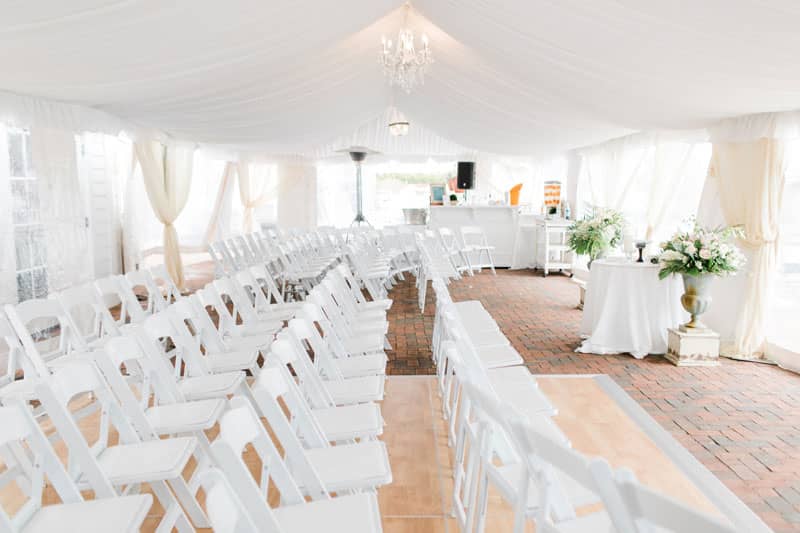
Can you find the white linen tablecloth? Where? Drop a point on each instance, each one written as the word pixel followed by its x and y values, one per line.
pixel 628 309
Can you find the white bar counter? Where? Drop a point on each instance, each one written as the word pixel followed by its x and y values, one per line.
pixel 499 223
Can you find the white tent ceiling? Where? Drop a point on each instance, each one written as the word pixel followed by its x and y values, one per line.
pixel 526 77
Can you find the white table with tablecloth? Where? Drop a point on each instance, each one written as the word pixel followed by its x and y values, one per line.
pixel 628 309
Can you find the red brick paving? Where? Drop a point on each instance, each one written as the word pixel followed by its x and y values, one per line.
pixel 741 420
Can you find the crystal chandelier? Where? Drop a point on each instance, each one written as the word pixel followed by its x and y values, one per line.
pixel 398 123
pixel 403 65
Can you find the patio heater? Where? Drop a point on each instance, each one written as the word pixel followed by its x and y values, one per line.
pixel 358 154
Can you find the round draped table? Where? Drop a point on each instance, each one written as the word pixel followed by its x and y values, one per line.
pixel 628 309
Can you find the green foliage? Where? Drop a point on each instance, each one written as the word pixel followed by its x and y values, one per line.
pixel 596 234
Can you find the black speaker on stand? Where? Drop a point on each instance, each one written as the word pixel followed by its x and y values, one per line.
pixel 466 176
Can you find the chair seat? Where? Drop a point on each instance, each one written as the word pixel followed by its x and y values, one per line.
pixel 280 311
pixel 153 460
pixel 124 514
pixel 364 343
pixel 487 337
pixel 185 417
pixel 260 328
pixel 598 522
pixel 20 389
pixel 383 305
pixel 356 390
pixel 211 386
pixel 350 421
pixel 232 361
pixel 364 327
pixel 251 342
pixel 500 356
pixel 362 365
pixel 523 395
pixel 362 465
pixel 357 513
pixel 509 478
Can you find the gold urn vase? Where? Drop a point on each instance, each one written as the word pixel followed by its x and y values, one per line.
pixel 696 299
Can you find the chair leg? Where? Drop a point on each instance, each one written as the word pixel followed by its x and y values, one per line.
pixel 491 261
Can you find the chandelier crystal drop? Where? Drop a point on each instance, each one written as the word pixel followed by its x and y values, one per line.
pixel 403 65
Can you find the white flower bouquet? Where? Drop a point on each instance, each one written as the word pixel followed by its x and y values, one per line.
pixel 701 251
pixel 596 234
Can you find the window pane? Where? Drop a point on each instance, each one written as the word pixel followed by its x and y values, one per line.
pixel 19 201
pixel 38 245
pixel 24 286
pixel 22 244
pixel 16 153
pixel 39 283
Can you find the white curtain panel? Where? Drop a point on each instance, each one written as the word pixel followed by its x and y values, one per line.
pixel 675 185
pixel 751 177
pixel 219 220
pixel 611 170
pixel 167 173
pixel 254 191
pixel 63 208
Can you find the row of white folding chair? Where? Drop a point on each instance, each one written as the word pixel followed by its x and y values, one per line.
pixel 21 439
pixel 400 261
pixel 236 503
pixel 482 454
pixel 555 481
pixel 346 468
pixel 434 263
pixel 340 458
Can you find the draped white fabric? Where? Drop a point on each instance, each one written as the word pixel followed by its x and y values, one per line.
pixel 655 180
pixel 254 190
pixel 750 178
pixel 528 78
pixel 167 173
pixel 63 208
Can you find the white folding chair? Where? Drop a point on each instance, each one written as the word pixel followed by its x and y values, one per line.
pixel 236 504
pixel 330 350
pixel 112 470
pixel 557 481
pixel 342 390
pixel 644 510
pixel 46 332
pixel 115 290
pixel 19 432
pixel 142 280
pixel 456 252
pixel 475 243
pixel 319 466
pixel 194 379
pixel 89 314
pixel 317 426
pixel 161 277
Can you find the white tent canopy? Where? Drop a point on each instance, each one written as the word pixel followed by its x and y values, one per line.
pixel 511 77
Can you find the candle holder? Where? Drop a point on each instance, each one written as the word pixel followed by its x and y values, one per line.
pixel 641 245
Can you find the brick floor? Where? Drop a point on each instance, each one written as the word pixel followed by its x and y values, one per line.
pixel 741 420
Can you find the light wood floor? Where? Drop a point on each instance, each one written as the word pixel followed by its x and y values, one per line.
pixel 418 500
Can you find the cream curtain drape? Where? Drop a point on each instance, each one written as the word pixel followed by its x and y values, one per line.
pixel 167 173
pixel 214 229
pixel 751 178
pixel 252 192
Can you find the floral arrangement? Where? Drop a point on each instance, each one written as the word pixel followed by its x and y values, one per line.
pixel 701 251
pixel 597 233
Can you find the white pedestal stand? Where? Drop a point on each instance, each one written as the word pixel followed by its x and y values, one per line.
pixel 692 348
